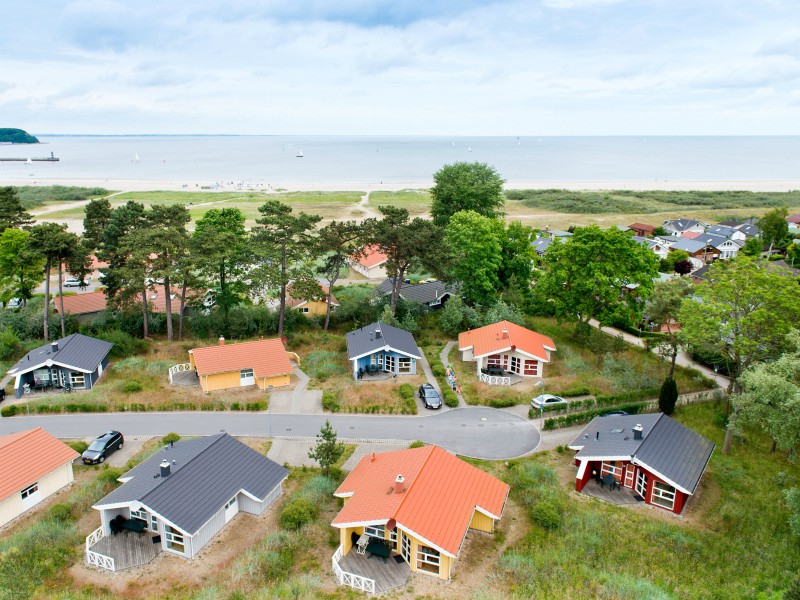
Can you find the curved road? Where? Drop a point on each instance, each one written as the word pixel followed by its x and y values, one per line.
pixel 477 432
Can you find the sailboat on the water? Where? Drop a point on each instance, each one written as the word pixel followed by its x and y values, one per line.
pixel 299 154
pixel 135 158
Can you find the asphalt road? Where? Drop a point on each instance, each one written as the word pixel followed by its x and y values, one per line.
pixel 477 432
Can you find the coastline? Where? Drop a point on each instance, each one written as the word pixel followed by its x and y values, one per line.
pixel 150 185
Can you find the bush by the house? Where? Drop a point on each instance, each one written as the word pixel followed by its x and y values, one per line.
pixel 297 513
pixel 581 418
pixel 668 396
pixel 9 411
pixel 79 446
pixel 416 444
pixel 450 397
pixel 170 438
pixel 330 401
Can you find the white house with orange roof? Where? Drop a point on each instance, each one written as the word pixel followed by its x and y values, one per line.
pixel 371 264
pixel 413 508
pixel 33 466
pixel 505 352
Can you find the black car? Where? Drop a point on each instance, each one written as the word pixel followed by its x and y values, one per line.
pixel 429 396
pixel 103 447
pixel 615 413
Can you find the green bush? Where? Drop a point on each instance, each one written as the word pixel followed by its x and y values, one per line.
pixel 297 513
pixel 581 418
pixel 125 345
pixel 79 446
pixel 9 411
pixel 582 390
pixel 256 406
pixel 450 398
pixel 668 396
pixel 438 369
pixel 502 402
pixel 416 444
pixel 407 391
pixel 60 512
pixel 170 438
pixel 547 514
pixel 131 386
pixel 330 401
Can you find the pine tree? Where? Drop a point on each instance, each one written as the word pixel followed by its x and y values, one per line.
pixel 12 214
pixel 668 396
pixel 327 450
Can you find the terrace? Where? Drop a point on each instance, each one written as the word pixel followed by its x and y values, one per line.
pixel 372 575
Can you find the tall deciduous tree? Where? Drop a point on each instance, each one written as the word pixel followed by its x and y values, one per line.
pixel 218 248
pixel 516 271
pixel 466 186
pixel 336 243
pixel 97 216
pixel 597 274
pixel 283 243
pixel 327 450
pixel 21 268
pixel 12 214
pixel 476 245
pixel 662 312
pixel 774 228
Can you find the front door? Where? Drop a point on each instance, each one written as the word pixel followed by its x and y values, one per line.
pixel 231 508
pixel 515 364
pixel 388 364
pixel 246 377
pixel 629 476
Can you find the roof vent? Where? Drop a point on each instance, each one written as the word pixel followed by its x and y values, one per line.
pixel 637 432
pixel 164 468
pixel 399 486
pixel 597 435
pixel 377 332
pixel 221 341
pixel 54 346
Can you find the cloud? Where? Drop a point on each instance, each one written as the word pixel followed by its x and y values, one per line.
pixel 563 4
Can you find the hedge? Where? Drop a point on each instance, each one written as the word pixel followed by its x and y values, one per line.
pixel 581 418
pixel 85 407
pixel 450 397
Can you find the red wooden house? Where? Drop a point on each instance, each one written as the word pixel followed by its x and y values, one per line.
pixel 655 456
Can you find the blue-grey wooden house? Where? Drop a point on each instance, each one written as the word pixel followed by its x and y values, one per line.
pixel 75 362
pixel 379 348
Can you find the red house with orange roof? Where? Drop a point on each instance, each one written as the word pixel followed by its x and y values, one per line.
pixel 505 352
pixel 372 264
pixel 415 504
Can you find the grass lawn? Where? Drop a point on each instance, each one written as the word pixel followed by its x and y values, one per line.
pixel 601 363
pixel 732 542
pixel 417 202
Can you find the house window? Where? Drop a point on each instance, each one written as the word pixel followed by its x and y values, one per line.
pixel 389 364
pixel 493 360
pixel 404 365
pixel 304 309
pixel 153 523
pixel 611 468
pixel 436 302
pixel 30 491
pixel 532 367
pixel 405 547
pixel 140 514
pixel 663 495
pixel 515 362
pixel 641 484
pixel 77 381
pixel 42 375
pixel 230 503
pixel 246 373
pixel 428 559
pixel 174 539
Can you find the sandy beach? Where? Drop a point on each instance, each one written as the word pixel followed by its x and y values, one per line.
pixel 142 185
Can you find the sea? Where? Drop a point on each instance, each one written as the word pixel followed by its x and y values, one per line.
pixel 399 159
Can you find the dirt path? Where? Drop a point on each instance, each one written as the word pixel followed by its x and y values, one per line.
pixel 364 207
pixel 68 206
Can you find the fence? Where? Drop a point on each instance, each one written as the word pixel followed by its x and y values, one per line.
pixel 351 579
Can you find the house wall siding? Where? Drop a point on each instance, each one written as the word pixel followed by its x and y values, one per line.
pixel 205 533
pixel 253 507
pixel 278 381
pixel 49 484
pixel 315 307
pixel 481 522
pixel 224 381
pixel 109 515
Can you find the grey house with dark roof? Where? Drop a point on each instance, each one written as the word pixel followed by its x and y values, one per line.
pixel 433 294
pixel 381 348
pixel 654 455
pixel 186 493
pixel 76 362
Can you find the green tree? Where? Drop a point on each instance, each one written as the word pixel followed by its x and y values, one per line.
pixel 752 247
pixel 12 214
pixel 336 242
pixel 668 265
pixel 21 268
pixel 662 311
pixel 793 500
pixel 659 231
pixel 97 216
pixel 668 396
pixel 475 244
pixel 218 250
pixel 597 274
pixel 283 243
pixel 774 228
pixel 327 450
pixel 466 186
pixel 516 271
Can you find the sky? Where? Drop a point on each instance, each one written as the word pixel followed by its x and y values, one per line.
pixel 394 67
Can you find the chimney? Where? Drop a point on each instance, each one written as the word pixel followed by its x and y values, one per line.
pixel 221 341
pixel 54 346
pixel 399 488
pixel 377 332
pixel 164 468
pixel 505 333
pixel 373 457
pixel 637 432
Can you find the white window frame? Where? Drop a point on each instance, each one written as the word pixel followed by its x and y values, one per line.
pixel 534 370
pixel 74 378
pixel 140 515
pixel 242 374
pixel 611 468
pixel 378 531
pixel 663 495
pixel 153 523
pixel 428 556
pixel 516 363
pixel 389 360
pixel 231 502
pixel 29 491
pixel 405 547
pixel 641 484
pixel 495 360
pixel 436 302
pixel 42 374
pixel 403 364
pixel 174 537
pixel 304 309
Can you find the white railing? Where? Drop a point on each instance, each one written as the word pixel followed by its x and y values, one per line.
pixel 351 579
pixel 178 369
pixel 494 379
pixel 96 559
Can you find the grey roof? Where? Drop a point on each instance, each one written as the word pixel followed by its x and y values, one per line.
pixel 75 351
pixel 720 230
pixel 712 240
pixel 749 230
pixel 540 245
pixel 650 243
pixel 690 246
pixel 378 336
pixel 667 238
pixel 206 473
pixel 557 233
pixel 419 293
pixel 667 448
pixel 681 224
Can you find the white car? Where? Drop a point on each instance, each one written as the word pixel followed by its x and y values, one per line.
pixel 74 282
pixel 547 400
pixel 14 303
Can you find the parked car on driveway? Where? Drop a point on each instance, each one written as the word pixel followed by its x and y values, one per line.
pixel 429 396
pixel 615 413
pixel 103 447
pixel 74 282
pixel 547 400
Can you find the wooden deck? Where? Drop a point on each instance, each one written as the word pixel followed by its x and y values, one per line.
pixel 622 496
pixel 387 576
pixel 128 549
pixel 185 378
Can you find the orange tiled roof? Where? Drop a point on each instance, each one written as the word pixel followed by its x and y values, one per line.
pixel 27 456
pixel 441 493
pixel 267 358
pixel 81 304
pixel 372 257
pixel 291 301
pixel 690 235
pixel 503 335
pixel 642 227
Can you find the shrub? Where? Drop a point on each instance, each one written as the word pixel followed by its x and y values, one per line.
pixel 502 402
pixel 547 514
pixel 668 396
pixel 124 344
pixel 131 386
pixel 79 446
pixel 60 512
pixel 330 401
pixel 583 390
pixel 297 513
pixel 9 411
pixel 256 406
pixel 407 391
pixel 450 398
pixel 170 438
pixel 438 369
pixel 416 444
pixel 580 418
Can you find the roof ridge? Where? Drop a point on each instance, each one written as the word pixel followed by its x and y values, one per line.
pixel 410 485
pixel 649 433
pixel 25 433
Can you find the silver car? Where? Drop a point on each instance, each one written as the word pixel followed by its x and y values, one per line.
pixel 548 400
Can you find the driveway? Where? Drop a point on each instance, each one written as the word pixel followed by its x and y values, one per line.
pixel 478 432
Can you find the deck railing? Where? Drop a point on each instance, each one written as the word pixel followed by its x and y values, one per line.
pixel 494 379
pixel 365 584
pixel 96 559
pixel 178 369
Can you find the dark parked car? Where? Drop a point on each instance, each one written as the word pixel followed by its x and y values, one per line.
pixel 615 413
pixel 429 396
pixel 103 447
